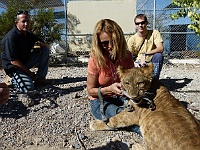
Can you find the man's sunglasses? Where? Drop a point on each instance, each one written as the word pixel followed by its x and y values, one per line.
pixel 138 23
pixel 22 12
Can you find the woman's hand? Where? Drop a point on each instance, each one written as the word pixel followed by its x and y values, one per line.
pixel 116 88
pixel 4 93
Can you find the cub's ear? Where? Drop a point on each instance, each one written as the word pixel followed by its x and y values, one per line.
pixel 148 70
pixel 121 71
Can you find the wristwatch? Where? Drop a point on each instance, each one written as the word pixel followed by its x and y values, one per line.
pixel 143 54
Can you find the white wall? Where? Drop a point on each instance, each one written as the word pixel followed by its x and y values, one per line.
pixel 90 12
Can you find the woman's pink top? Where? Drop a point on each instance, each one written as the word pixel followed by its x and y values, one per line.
pixel 108 75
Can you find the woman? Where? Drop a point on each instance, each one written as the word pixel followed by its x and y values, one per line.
pixel 109 50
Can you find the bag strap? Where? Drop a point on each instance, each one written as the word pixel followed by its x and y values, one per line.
pixel 134 57
pixel 143 42
pixel 104 118
pixel 141 45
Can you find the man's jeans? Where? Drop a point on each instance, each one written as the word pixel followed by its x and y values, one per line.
pixel 112 106
pixel 22 81
pixel 157 60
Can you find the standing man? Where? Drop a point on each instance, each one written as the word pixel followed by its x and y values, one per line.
pixel 18 56
pixel 146 45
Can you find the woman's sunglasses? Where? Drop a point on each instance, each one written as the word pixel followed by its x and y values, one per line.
pixel 106 43
pixel 138 23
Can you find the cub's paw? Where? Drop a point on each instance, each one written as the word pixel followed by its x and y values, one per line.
pixel 98 125
pixel 138 146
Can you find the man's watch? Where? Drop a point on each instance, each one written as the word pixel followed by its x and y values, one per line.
pixel 143 54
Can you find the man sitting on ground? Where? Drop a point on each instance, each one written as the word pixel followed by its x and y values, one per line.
pixel 18 56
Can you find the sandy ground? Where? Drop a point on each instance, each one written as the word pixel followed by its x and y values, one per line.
pixel 61 115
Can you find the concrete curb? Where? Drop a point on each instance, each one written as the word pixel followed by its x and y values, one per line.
pixel 183 61
pixel 172 61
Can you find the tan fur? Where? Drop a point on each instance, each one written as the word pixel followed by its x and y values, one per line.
pixel 169 127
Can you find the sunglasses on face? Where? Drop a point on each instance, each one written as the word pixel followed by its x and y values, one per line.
pixel 22 12
pixel 138 23
pixel 105 43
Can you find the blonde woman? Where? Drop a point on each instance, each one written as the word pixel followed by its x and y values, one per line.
pixel 109 50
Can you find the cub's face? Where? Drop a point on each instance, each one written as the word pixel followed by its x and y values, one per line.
pixel 136 81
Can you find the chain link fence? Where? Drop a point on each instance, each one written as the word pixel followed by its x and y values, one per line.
pixel 179 41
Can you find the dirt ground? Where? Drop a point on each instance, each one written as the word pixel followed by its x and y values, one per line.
pixel 60 118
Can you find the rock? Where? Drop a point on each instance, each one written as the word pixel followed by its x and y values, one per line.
pixel 26 100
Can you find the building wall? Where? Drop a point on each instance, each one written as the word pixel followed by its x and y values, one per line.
pixel 90 12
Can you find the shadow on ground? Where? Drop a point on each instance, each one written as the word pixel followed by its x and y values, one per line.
pixel 66 80
pixel 13 109
pixel 116 145
pixel 16 109
pixel 174 84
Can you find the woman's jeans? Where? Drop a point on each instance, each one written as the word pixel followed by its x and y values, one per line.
pixel 22 81
pixel 112 106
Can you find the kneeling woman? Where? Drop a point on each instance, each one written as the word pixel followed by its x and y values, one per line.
pixel 108 51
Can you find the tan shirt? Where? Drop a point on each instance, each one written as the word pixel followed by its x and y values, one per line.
pixel 135 41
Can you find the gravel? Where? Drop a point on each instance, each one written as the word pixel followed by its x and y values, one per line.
pixel 61 115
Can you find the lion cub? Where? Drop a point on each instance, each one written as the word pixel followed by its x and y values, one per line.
pixel 164 122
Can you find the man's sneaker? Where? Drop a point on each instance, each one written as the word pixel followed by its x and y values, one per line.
pixel 42 82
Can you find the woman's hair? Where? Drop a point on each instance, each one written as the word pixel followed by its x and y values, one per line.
pixel 119 45
pixel 141 16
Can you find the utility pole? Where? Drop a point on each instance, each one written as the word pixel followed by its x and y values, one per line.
pixel 66 29
pixel 154 14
